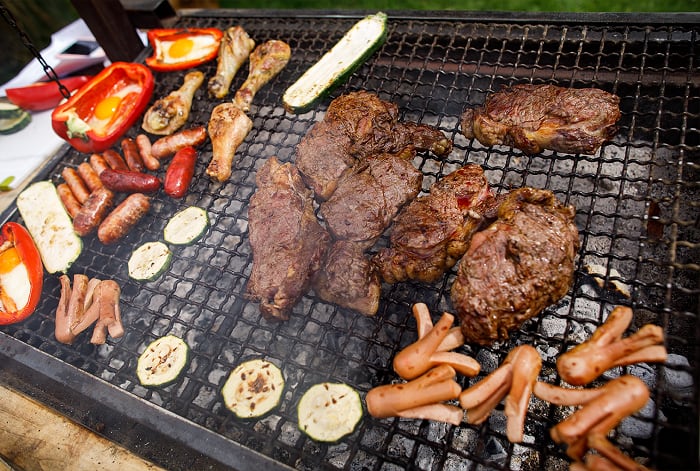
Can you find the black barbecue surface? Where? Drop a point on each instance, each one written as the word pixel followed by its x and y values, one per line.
pixel 637 208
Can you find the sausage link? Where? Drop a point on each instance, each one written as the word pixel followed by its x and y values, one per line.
pixel 168 145
pixel 131 155
pixel 68 199
pixel 126 181
pixel 89 176
pixel 114 160
pixel 98 163
pixel 76 184
pixel 93 211
pixel 180 172
pixel 125 216
pixel 144 145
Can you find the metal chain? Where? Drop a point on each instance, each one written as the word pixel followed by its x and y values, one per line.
pixel 48 70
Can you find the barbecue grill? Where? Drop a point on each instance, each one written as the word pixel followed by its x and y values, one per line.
pixel 637 208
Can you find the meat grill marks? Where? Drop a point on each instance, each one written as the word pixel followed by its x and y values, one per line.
pixel 355 126
pixel 287 241
pixel 432 232
pixel 537 117
pixel 516 267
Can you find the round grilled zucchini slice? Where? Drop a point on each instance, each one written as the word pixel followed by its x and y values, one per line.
pixel 162 362
pixel 329 411
pixel 253 388
pixel 186 226
pixel 149 261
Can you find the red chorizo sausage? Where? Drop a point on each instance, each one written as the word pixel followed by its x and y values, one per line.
pixel 131 155
pixel 93 211
pixel 144 145
pixel 68 199
pixel 125 216
pixel 114 160
pixel 76 184
pixel 126 181
pixel 180 172
pixel 89 176
pixel 168 145
pixel 98 163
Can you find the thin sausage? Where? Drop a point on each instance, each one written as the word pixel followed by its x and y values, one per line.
pixel 114 160
pixel 89 176
pixel 76 184
pixel 125 216
pixel 93 211
pixel 180 172
pixel 132 156
pixel 68 199
pixel 126 181
pixel 169 145
pixel 144 145
pixel 98 163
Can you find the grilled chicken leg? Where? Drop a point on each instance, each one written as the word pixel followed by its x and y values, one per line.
pixel 266 61
pixel 228 127
pixel 234 50
pixel 168 114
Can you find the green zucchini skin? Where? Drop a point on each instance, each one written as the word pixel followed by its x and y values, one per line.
pixel 324 89
pixel 171 376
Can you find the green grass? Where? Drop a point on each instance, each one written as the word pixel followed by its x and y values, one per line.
pixel 478 5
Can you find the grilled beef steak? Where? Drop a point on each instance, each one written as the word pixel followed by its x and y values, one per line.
pixel 432 232
pixel 287 241
pixel 348 278
pixel 369 196
pixel 357 125
pixel 516 267
pixel 537 117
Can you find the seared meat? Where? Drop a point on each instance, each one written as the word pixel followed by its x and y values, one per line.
pixel 432 232
pixel 287 241
pixel 234 50
pixel 170 113
pixel 370 195
pixel 348 278
pixel 265 62
pixel 357 125
pixel 516 267
pixel 537 117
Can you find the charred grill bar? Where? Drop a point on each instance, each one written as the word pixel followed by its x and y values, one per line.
pixel 637 210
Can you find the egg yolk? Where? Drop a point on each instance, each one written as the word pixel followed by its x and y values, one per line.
pixel 180 48
pixel 106 107
pixel 9 259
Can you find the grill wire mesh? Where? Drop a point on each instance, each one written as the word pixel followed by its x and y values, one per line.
pixel 636 208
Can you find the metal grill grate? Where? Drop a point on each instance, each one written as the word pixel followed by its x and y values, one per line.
pixel 637 211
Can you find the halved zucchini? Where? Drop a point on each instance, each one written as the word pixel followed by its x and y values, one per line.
pixel 50 225
pixel 149 261
pixel 336 65
pixel 329 411
pixel 253 388
pixel 163 361
pixel 186 226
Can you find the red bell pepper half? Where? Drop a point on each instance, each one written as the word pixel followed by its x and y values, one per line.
pixel 98 114
pixel 41 96
pixel 17 248
pixel 179 49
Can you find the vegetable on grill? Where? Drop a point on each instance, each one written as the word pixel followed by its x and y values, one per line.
pixel 179 49
pixel 149 261
pixel 253 388
pixel 338 64
pixel 163 361
pixel 21 274
pixel 186 226
pixel 329 411
pixel 50 226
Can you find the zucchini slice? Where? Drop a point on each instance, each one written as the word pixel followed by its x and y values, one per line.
pixel 50 225
pixel 10 111
pixel 15 124
pixel 338 64
pixel 149 261
pixel 186 226
pixel 163 361
pixel 329 411
pixel 253 388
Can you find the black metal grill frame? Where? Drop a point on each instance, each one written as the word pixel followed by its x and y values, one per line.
pixel 637 210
